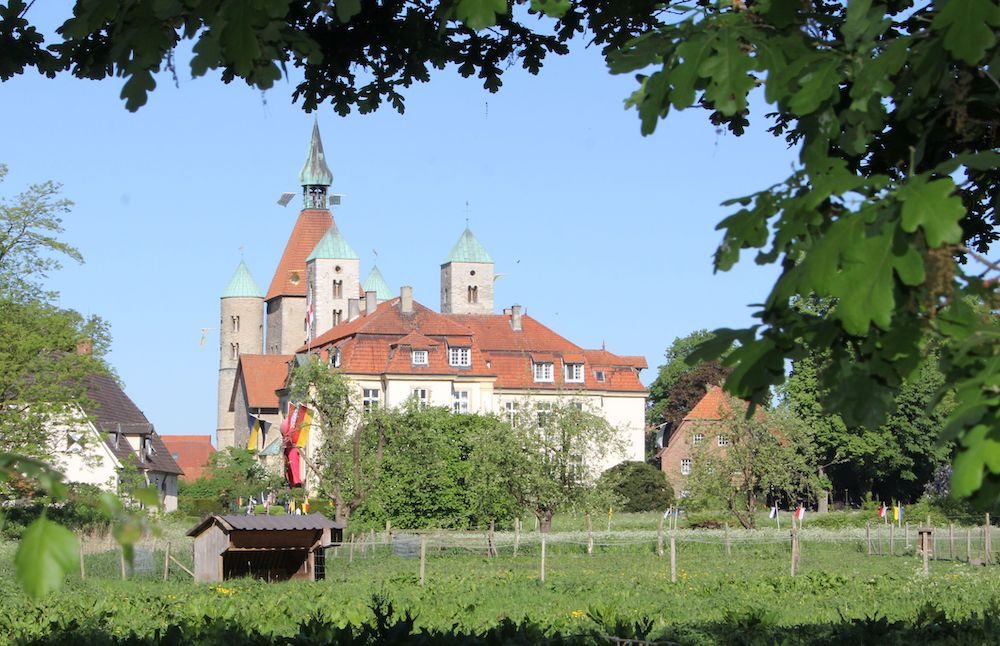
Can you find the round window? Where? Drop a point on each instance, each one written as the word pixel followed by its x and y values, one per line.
pixel 337 269
pixel 294 278
pixel 472 273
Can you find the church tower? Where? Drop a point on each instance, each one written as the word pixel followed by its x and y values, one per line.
pixel 334 274
pixel 287 295
pixel 467 278
pixel 241 331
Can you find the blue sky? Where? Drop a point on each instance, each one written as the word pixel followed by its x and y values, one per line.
pixel 600 233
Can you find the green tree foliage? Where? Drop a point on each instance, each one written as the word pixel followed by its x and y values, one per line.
pixel 441 470
pixel 230 474
pixel 767 455
pixel 347 465
pixel 675 364
pixel 894 109
pixel 639 487
pixel 558 444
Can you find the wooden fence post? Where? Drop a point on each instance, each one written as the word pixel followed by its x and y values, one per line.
pixel 659 537
pixel 968 545
pixel 878 537
pixel 166 562
pixel 350 552
pixel 729 551
pixel 388 531
pixel 590 533
pixel 906 534
pixel 423 558
pixel 121 554
pixel 83 573
pixel 517 534
pixel 868 536
pixel 541 574
pixel 988 549
pixel 926 550
pixel 795 549
pixel 951 541
pixel 673 558
pixel 491 548
pixel 892 540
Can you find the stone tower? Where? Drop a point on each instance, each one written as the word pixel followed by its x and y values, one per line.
pixel 467 278
pixel 286 297
pixel 241 331
pixel 333 275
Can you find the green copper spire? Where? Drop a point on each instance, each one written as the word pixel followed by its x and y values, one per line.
pixel 315 172
pixel 468 249
pixel 332 246
pixel 242 284
pixel 376 283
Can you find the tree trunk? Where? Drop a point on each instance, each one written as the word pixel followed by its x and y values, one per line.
pixel 544 520
pixel 823 504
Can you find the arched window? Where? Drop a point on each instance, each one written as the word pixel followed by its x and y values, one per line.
pixel 473 294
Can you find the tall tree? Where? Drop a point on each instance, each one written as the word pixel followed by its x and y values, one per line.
pixel 675 364
pixel 558 444
pixel 766 455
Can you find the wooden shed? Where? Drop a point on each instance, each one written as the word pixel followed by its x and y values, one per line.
pixel 273 548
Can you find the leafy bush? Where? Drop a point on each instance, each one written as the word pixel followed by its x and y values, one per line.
pixel 640 486
pixel 81 510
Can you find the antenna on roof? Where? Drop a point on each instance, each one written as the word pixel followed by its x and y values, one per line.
pixel 285 198
pixel 336 199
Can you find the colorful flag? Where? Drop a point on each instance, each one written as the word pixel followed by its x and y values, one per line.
pixel 305 506
pixel 800 513
pixel 774 512
pixel 882 510
pixel 305 426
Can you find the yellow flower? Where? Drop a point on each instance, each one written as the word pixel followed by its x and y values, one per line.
pixel 225 591
pixel 578 614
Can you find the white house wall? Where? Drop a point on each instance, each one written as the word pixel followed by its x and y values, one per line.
pixel 92 463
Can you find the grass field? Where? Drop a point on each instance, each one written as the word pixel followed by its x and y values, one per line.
pixel 624 588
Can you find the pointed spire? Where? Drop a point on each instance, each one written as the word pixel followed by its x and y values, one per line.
pixel 468 249
pixel 315 172
pixel 332 246
pixel 376 283
pixel 242 284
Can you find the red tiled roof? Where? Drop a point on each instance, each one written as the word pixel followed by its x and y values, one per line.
pixel 262 375
pixel 308 229
pixel 375 344
pixel 710 407
pixel 191 452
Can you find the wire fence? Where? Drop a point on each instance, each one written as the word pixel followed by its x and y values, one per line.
pixel 159 558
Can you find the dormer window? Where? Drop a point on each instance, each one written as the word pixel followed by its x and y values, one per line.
pixel 574 373
pixel 460 357
pixel 543 371
pixel 419 357
pixel 599 375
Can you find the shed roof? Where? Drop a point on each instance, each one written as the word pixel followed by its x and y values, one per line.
pixel 243 522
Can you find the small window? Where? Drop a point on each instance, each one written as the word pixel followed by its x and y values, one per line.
pixel 543 371
pixel 723 440
pixel 74 442
pixel 510 409
pixel 235 348
pixel 335 357
pixel 473 294
pixel 421 395
pixel 338 289
pixel 236 323
pixel 599 375
pixel 685 466
pixel 697 439
pixel 369 399
pixel 418 357
pixel 460 401
pixel 543 411
pixel 574 372
pixel 337 316
pixel 460 357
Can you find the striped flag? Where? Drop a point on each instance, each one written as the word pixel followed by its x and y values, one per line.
pixel 882 510
pixel 800 513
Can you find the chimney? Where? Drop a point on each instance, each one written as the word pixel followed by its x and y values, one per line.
pixel 353 309
pixel 371 302
pixel 406 299
pixel 85 347
pixel 515 318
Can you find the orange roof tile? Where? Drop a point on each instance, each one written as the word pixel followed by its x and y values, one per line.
pixel 191 452
pixel 371 345
pixel 262 375
pixel 308 229
pixel 710 407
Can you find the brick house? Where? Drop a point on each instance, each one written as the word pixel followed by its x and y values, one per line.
pixel 699 428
